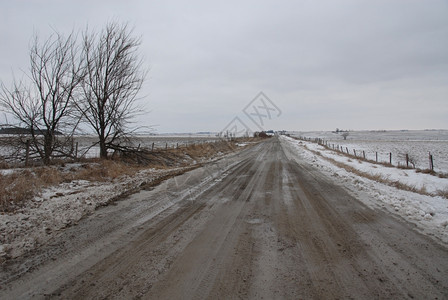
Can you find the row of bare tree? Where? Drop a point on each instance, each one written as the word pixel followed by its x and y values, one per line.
pixel 90 78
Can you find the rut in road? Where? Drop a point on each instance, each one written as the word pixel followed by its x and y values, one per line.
pixel 267 226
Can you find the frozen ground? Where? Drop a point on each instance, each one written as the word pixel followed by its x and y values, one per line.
pixel 416 143
pixel 264 223
pixel 428 212
pixel 60 207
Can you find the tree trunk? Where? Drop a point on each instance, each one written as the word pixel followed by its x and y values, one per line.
pixel 103 147
pixel 48 145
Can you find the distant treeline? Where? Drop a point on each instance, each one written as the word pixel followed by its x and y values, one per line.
pixel 19 130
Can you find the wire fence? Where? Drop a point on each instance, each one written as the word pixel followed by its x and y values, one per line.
pixel 14 149
pixel 392 158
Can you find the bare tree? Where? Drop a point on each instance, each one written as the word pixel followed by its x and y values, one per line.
pixel 345 134
pixel 114 78
pixel 45 106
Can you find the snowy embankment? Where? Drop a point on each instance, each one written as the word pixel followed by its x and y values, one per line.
pixel 61 206
pixel 403 192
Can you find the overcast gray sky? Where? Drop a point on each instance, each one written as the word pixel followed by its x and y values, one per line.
pixel 350 64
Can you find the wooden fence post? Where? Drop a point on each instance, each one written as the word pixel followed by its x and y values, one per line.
pixel 364 154
pixel 390 157
pixel 431 162
pixel 76 149
pixel 354 151
pixel 376 156
pixel 152 148
pixel 407 160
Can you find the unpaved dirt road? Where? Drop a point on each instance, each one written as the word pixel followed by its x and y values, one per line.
pixel 255 225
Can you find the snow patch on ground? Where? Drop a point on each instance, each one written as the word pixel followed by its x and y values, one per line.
pixel 430 183
pixel 428 212
pixel 61 206
pixel 58 207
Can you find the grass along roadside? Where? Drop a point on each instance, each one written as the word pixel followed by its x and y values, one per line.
pixel 18 186
pixel 50 199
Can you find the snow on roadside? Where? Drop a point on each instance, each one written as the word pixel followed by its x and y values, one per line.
pixel 60 206
pixel 427 182
pixel 428 212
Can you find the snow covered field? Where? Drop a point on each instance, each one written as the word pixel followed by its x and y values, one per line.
pixel 416 143
pixel 425 208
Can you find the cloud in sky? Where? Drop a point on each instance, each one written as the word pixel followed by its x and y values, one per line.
pixel 326 64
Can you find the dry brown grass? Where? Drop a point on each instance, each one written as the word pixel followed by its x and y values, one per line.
pixel 180 157
pixel 432 172
pixel 208 150
pixel 443 193
pixel 102 170
pixel 14 187
pixel 20 186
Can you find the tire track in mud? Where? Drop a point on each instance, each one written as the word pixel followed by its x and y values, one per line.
pixel 209 255
pixel 330 230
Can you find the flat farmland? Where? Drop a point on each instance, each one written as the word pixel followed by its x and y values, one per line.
pixel 417 144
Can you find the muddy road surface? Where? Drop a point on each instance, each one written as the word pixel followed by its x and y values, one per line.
pixel 260 224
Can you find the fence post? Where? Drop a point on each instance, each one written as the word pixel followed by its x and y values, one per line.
pixel 364 154
pixel 407 160
pixel 376 156
pixel 431 162
pixel 166 146
pixel 354 151
pixel 152 148
pixel 76 149
pixel 390 157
